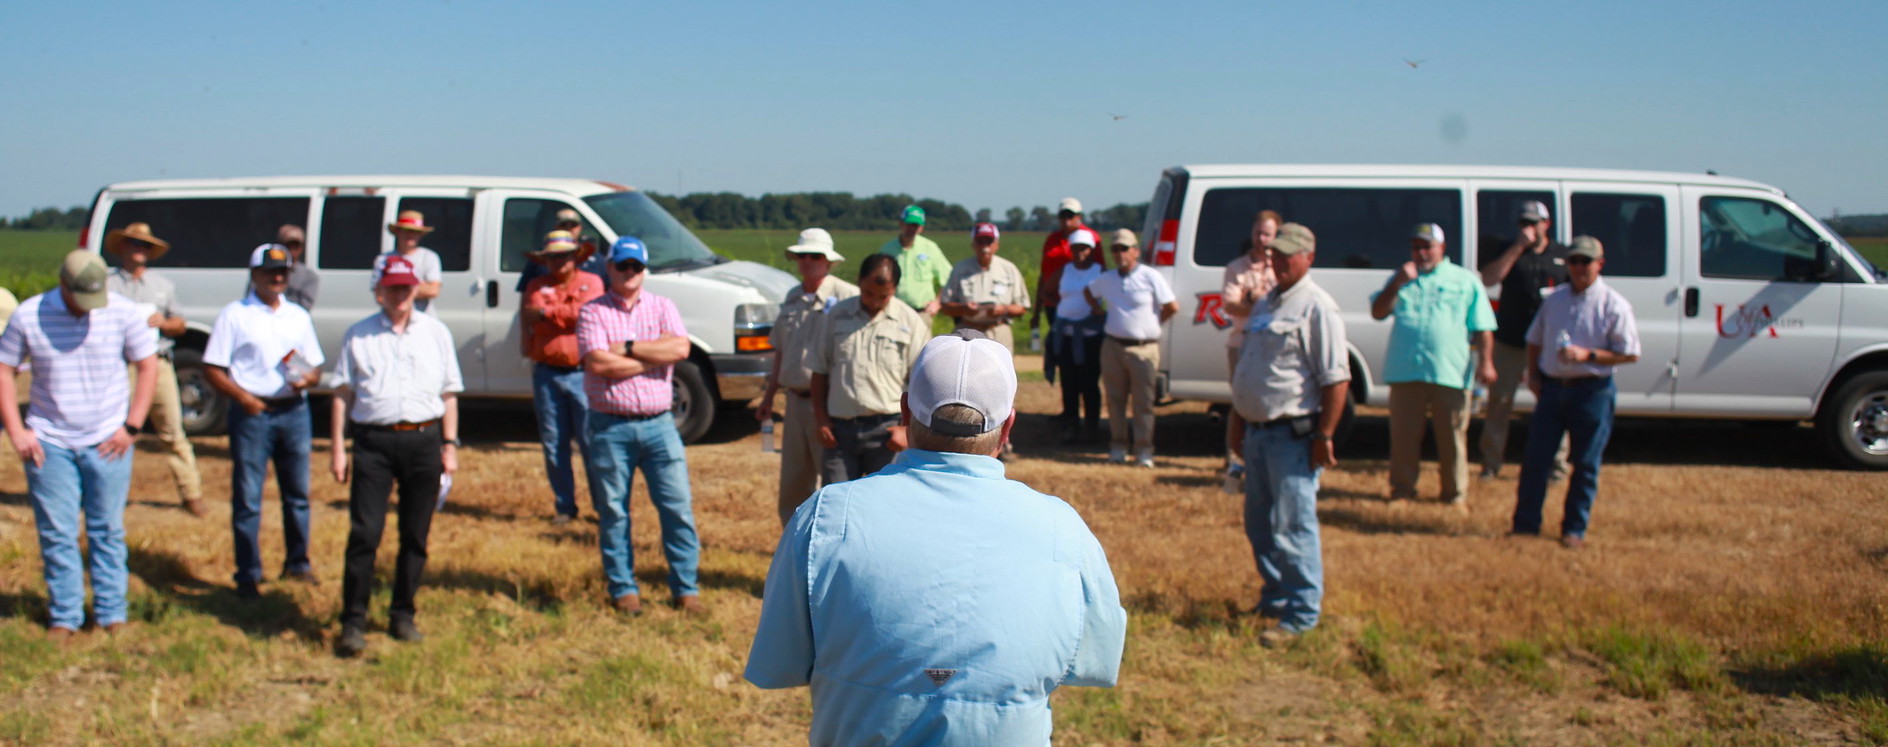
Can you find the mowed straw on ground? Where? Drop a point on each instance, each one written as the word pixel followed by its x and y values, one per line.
pixel 1732 592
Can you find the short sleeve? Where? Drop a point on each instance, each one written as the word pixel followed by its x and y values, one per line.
pixel 782 652
pixel 1481 316
pixel 449 361
pixel 217 350
pixel 344 367
pixel 1163 292
pixel 953 288
pixel 430 269
pixel 1624 333
pixel 310 346
pixel 140 338
pixel 819 358
pixel 591 335
pixel 1326 347
pixel 1021 293
pixel 13 342
pixel 1536 330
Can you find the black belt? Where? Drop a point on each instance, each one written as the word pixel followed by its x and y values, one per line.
pixel 560 369
pixel 280 403
pixel 867 419
pixel 1576 380
pixel 636 418
pixel 407 426
pixel 1285 421
pixel 1131 342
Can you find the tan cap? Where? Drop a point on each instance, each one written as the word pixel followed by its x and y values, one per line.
pixel 1586 246
pixel 1294 238
pixel 1124 237
pixel 82 277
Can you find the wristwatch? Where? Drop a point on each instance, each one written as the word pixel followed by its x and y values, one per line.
pixel 1320 437
pixel 453 442
pixel 134 430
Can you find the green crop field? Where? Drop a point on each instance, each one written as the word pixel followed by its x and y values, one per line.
pixel 1875 248
pixel 29 260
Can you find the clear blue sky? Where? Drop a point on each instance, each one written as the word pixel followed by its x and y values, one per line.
pixel 989 104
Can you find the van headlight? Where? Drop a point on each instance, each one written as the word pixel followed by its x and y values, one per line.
pixel 752 323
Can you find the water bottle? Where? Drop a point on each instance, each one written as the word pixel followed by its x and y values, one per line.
pixel 1235 480
pixel 767 436
pixel 1562 341
pixel 1478 398
pixel 1035 340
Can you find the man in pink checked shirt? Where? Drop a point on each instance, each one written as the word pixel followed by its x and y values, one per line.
pixel 630 340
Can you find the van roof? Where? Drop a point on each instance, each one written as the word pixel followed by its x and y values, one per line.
pixel 1405 171
pixel 582 187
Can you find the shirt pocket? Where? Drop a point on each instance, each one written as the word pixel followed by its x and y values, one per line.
pixel 889 350
pixel 1288 340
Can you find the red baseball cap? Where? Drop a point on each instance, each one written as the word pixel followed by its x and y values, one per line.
pixel 397 270
pixel 984 231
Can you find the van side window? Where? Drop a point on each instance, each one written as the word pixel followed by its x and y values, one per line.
pixel 1753 240
pixel 1360 228
pixel 210 231
pixel 351 230
pixel 1497 220
pixel 451 219
pixel 526 222
pixel 1631 227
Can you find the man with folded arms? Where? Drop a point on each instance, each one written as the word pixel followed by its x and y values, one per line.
pixel 938 602
pixel 1137 301
pixel 396 387
pixel 985 291
pixel 549 318
pixel 263 355
pixel 75 443
pixel 1582 332
pixel 1439 307
pixel 792 339
pixel 630 340
pixel 134 279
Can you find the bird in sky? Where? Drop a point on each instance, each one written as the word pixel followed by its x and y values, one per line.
pixel 1117 117
pixel 1414 63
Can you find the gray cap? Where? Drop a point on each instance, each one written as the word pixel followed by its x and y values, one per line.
pixel 82 277
pixel 1586 246
pixel 1533 210
pixel 1294 238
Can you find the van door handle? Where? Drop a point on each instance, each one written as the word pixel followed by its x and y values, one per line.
pixel 1691 301
pixel 491 294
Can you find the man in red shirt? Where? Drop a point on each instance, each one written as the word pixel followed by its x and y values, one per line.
pixel 549 323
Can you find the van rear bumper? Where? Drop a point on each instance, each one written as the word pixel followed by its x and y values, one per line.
pixel 741 376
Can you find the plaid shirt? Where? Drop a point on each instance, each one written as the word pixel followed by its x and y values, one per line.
pixel 606 321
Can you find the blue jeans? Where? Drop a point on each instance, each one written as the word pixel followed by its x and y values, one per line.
pixel 282 436
pixel 1282 525
pixel 1584 411
pixel 618 446
pixel 559 400
pixel 75 481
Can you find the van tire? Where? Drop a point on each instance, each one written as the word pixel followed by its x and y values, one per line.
pixel 694 405
pixel 205 410
pixel 1854 422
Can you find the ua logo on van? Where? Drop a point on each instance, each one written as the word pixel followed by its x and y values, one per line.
pixel 1211 308
pixel 940 676
pixel 1749 323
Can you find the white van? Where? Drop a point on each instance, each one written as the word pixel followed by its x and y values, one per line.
pixel 1748 307
pixel 484 227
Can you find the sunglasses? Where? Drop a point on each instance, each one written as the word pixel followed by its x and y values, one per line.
pixel 569 223
pixel 1121 247
pixel 138 244
pixel 628 266
pixel 1579 260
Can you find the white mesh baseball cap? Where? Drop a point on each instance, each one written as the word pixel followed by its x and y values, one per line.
pixel 963 368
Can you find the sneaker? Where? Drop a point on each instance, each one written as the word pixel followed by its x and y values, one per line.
pixel 1490 472
pixel 628 604
pixel 352 642
pixel 1117 455
pixel 1145 458
pixel 1460 504
pixel 403 629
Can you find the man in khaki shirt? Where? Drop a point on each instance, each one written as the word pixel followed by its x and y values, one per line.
pixel 792 340
pixel 862 355
pixel 986 291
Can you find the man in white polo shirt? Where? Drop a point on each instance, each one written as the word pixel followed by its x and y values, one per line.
pixel 263 355
pixel 399 372
pixel 1138 300
pixel 75 443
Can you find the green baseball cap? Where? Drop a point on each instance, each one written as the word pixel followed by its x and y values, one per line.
pixel 914 215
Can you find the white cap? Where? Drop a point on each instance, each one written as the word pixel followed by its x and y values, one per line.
pixel 1070 204
pixel 1428 232
pixel 1084 237
pixel 816 241
pixel 963 368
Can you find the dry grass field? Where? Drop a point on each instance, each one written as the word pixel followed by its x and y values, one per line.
pixel 1734 591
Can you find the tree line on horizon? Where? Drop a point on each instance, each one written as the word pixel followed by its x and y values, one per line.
pixel 837 211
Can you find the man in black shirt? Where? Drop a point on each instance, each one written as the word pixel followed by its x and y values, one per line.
pixel 1530 269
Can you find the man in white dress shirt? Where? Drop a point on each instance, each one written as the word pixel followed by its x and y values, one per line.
pixel 1138 300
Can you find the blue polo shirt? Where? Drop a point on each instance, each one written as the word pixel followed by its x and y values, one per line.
pixel 936 603
pixel 1434 316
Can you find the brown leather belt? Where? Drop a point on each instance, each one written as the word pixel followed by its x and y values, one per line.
pixel 398 426
pixel 1131 342
pixel 1574 380
pixel 801 393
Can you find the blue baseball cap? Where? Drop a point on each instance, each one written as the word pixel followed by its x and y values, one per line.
pixel 629 247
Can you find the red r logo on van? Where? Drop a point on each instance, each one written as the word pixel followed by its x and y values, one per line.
pixel 1746 323
pixel 1211 308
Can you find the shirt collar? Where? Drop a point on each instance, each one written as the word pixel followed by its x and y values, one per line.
pixel 1599 283
pixel 618 302
pixel 972 465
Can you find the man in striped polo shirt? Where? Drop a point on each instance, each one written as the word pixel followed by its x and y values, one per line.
pixel 76 440
pixel 630 340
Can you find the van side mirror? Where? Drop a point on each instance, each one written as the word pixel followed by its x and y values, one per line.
pixel 1827 268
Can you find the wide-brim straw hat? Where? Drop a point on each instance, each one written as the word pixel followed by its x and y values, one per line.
pixel 410 220
pixel 140 232
pixel 561 242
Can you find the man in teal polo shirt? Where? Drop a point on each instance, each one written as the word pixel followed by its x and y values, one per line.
pixel 1438 306
pixel 922 267
pixel 938 602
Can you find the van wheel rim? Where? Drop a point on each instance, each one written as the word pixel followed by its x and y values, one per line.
pixel 1870 424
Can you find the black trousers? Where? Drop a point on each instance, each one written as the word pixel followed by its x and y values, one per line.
pixel 1081 382
pixel 382 458
pixel 864 448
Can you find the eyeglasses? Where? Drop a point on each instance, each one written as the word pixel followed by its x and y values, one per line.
pixel 628 266
pixel 1579 260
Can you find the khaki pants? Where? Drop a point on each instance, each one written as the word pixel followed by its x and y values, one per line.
pixel 1510 364
pixel 166 421
pixel 1129 371
pixel 1446 408
pixel 800 454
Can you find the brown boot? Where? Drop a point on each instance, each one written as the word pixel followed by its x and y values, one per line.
pixel 196 508
pixel 691 605
pixel 60 634
pixel 628 604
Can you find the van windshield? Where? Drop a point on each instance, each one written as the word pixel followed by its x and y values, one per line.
pixel 671 247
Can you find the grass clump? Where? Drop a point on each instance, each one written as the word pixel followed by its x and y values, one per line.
pixel 1649 665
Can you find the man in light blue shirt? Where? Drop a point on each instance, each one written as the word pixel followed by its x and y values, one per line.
pixel 1438 306
pixel 936 602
